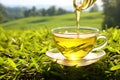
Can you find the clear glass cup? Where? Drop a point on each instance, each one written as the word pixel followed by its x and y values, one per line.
pixel 75 44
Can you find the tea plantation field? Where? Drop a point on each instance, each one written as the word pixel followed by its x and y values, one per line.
pixel 23 44
pixel 87 19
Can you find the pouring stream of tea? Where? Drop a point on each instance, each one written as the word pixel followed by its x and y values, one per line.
pixel 80 5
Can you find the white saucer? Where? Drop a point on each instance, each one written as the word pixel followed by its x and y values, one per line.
pixel 92 57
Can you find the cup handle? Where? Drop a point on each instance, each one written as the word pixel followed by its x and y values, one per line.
pixel 100 46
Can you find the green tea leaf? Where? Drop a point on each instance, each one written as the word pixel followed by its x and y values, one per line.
pixel 21 47
pixel 11 63
pixel 115 68
pixel 115 34
pixel 1 61
pixel 2 76
pixel 34 62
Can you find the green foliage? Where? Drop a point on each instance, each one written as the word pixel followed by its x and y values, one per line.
pixel 115 67
pixel 9 13
pixel 111 12
pixel 51 11
pixel 3 13
pixel 30 12
pixel 22 57
pixel 1 17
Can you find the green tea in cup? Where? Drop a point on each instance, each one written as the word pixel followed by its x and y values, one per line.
pixel 74 43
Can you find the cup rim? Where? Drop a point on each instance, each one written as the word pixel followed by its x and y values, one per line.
pixel 75 35
pixel 83 27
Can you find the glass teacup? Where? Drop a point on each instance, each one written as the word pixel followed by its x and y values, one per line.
pixel 75 44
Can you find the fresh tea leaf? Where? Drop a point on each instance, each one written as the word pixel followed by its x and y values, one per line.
pixel 115 67
pixel 12 64
pixel 1 61
pixel 34 63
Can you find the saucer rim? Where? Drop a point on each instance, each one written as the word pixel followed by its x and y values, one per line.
pixel 81 62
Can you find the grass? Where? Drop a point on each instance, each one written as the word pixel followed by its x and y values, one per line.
pixel 87 19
